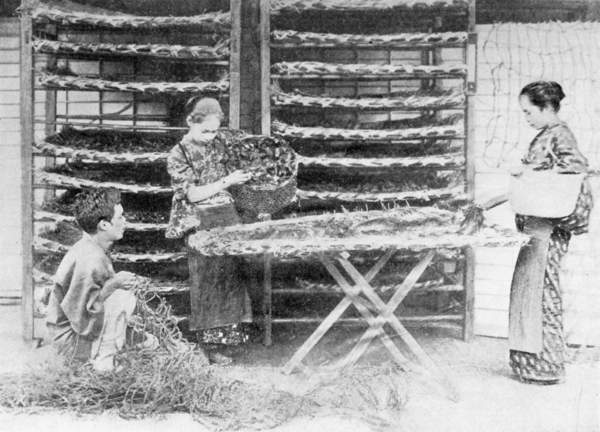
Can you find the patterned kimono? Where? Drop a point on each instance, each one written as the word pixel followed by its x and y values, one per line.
pixel 539 356
pixel 219 299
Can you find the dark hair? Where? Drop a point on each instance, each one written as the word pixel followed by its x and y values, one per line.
pixel 93 206
pixel 544 93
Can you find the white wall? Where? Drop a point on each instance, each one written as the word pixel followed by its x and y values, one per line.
pixel 510 56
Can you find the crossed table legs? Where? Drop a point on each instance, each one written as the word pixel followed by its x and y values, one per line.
pixel 365 304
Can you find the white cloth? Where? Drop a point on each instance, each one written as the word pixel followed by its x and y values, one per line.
pixel 118 309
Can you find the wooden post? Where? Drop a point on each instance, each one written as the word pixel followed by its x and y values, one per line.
pixel 50 127
pixel 234 63
pixel 27 135
pixel 265 67
pixel 471 88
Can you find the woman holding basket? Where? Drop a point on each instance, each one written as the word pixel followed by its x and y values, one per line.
pixel 536 338
pixel 219 298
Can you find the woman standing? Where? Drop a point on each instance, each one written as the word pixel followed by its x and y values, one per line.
pixel 218 292
pixel 536 338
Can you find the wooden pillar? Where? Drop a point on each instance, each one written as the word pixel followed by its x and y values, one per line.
pixel 471 88
pixel 234 63
pixel 254 67
pixel 27 136
pixel 265 67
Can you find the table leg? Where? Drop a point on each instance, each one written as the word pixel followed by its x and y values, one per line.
pixel 332 317
pixel 392 305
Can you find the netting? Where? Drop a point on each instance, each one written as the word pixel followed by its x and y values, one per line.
pixel 512 55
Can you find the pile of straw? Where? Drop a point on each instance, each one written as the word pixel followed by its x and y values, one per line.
pixel 175 378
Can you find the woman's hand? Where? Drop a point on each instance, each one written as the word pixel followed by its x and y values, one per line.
pixel 237 177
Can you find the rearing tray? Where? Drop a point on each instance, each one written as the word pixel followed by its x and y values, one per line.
pixel 412 229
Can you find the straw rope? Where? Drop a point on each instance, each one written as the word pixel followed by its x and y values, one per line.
pixel 196 52
pixel 453 160
pixel 45 246
pixel 296 39
pixel 68 82
pixel 452 100
pixel 321 133
pixel 67 182
pixel 420 195
pixel 47 148
pixel 41 216
pixel 290 6
pixel 320 70
pixel 73 14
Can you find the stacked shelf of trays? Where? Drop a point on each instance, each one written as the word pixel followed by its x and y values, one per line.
pixel 117 87
pixel 372 95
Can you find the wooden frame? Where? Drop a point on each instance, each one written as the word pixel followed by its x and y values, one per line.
pixel 27 136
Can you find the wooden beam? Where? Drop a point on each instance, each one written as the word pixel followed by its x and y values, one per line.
pixel 265 67
pixel 27 136
pixel 234 63
pixel 469 252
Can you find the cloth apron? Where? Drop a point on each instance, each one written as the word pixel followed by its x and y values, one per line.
pixel 525 311
pixel 218 285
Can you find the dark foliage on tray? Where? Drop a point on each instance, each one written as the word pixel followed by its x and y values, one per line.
pixel 129 174
pixel 376 184
pixel 137 208
pixel 376 150
pixel 115 141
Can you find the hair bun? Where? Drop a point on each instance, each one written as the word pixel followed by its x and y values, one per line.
pixel 557 90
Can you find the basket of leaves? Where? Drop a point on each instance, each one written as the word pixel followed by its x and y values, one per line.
pixel 274 166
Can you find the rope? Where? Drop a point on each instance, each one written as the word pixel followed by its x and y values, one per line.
pixel 68 82
pixel 196 52
pixel 453 100
pixel 312 69
pixel 453 160
pixel 291 6
pixel 421 195
pixel 322 133
pixel 296 39
pixel 72 14
pixel 63 181
pixel 47 148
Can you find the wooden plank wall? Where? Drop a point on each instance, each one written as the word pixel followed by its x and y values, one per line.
pixel 510 56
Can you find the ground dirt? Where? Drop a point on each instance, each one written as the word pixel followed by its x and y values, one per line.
pixel 490 399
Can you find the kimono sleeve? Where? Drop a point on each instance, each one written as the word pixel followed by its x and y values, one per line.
pixel 181 172
pixel 565 152
pixel 81 282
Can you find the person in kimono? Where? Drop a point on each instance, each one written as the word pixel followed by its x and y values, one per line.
pixel 536 337
pixel 219 296
pixel 90 305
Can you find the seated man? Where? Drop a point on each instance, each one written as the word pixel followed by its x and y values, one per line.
pixel 90 305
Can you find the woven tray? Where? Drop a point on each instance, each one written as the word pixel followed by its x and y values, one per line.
pixel 321 133
pixel 363 71
pixel 291 6
pixel 425 195
pixel 68 82
pixel 45 216
pixel 408 102
pixel 448 161
pixel 195 52
pixel 296 39
pixel 67 182
pixel 68 13
pixel 76 154
pixel 412 229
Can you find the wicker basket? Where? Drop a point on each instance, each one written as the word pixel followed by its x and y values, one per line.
pixel 256 199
